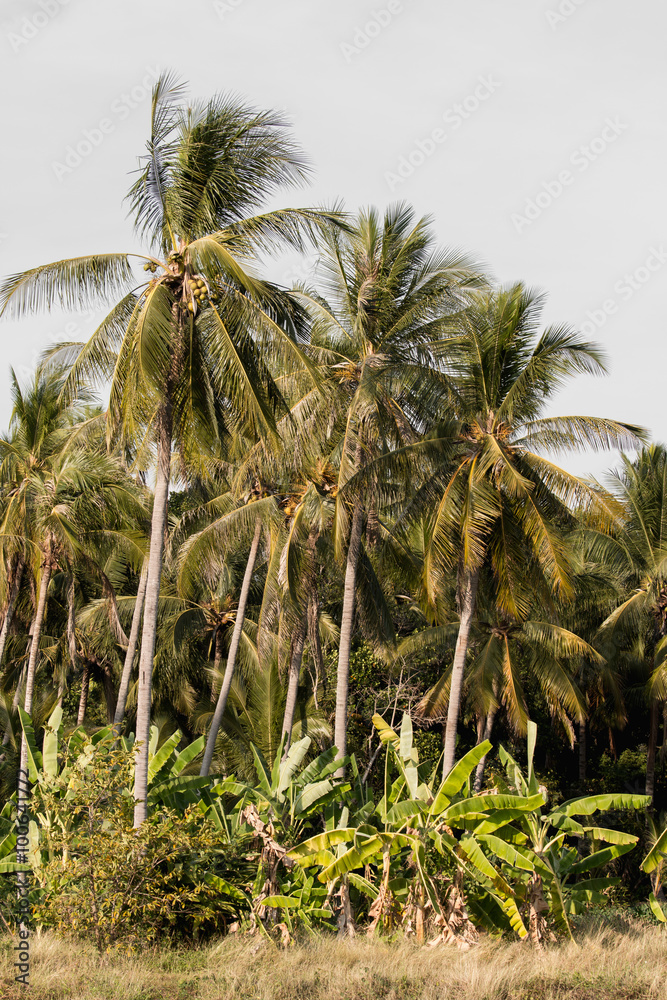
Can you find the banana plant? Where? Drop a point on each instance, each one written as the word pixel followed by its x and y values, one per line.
pixel 289 793
pixel 542 856
pixel 655 865
pixel 413 823
pixel 168 784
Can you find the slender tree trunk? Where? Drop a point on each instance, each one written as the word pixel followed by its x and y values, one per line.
pixel 346 624
pixel 11 603
pixel 293 683
pixel 37 624
pixel 314 641
pixel 126 676
pixel 71 625
pixel 149 634
pixel 6 625
pixel 217 660
pixel 486 735
pixel 300 639
pixel 468 597
pixel 582 753
pixel 652 746
pixel 15 702
pixel 85 687
pixel 231 655
pixel 109 688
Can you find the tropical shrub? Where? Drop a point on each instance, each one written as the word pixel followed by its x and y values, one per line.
pixel 101 879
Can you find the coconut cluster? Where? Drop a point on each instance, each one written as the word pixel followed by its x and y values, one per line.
pixel 198 293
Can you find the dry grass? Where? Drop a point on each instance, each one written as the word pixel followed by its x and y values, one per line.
pixel 627 961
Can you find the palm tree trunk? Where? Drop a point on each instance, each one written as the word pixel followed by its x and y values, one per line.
pixel 71 624
pixel 300 639
pixel 15 702
pixel 217 660
pixel 652 746
pixel 11 603
pixel 149 634
pixel 468 592
pixel 346 624
pixel 231 655
pixel 582 754
pixel 315 644
pixel 85 687
pixel 37 624
pixel 109 689
pixel 6 625
pixel 488 729
pixel 131 648
pixel 293 683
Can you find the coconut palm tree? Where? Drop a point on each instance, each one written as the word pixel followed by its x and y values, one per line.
pixel 61 501
pixel 386 290
pixel 634 635
pixel 186 352
pixel 494 500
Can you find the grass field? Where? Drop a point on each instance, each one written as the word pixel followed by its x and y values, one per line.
pixel 619 960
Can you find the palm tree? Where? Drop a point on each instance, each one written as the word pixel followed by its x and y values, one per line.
pixel 40 427
pixel 635 633
pixel 62 498
pixel 502 651
pixel 387 290
pixel 494 500
pixel 203 557
pixel 186 351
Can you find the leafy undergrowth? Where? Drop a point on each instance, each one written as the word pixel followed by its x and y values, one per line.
pixel 621 960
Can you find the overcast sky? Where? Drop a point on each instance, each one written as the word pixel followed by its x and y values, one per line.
pixel 533 131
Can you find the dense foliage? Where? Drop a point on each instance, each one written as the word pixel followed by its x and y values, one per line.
pixel 305 517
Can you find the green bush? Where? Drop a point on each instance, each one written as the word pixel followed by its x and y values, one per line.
pixel 103 880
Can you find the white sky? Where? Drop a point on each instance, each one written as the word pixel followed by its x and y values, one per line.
pixel 362 95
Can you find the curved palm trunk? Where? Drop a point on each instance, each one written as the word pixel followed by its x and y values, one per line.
pixel 488 729
pixel 293 683
pixel 468 597
pixel 131 648
pixel 149 634
pixel 37 624
pixel 346 624
pixel 11 604
pixel 231 655
pixel 299 640
pixel 85 688
pixel 315 644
